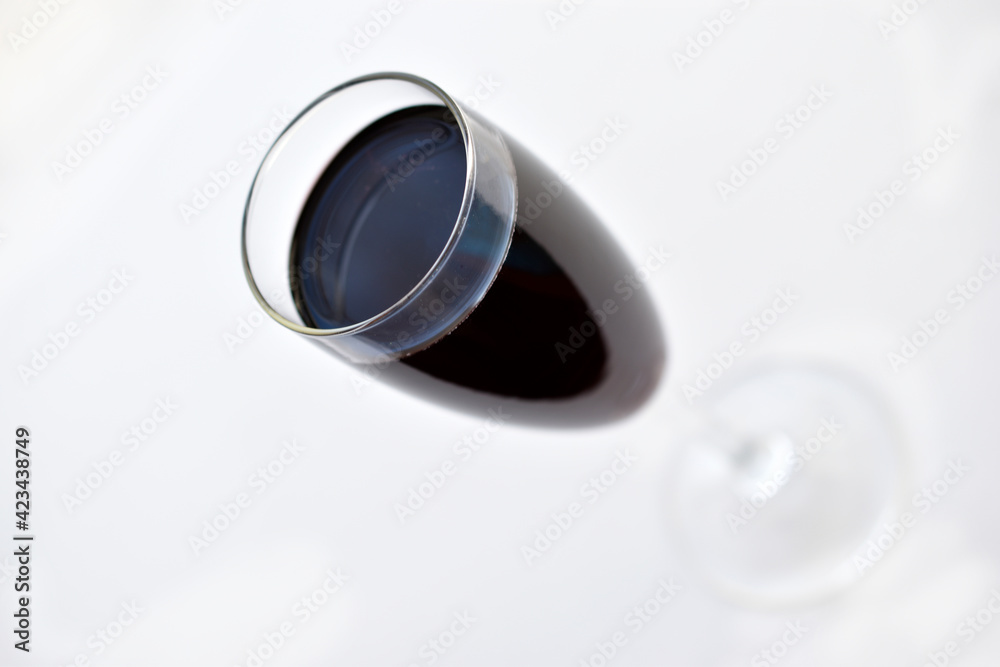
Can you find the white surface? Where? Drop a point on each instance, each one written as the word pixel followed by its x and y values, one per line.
pixel 163 336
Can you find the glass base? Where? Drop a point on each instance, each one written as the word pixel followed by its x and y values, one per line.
pixel 791 474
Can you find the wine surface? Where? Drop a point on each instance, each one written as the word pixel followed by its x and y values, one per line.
pixel 380 223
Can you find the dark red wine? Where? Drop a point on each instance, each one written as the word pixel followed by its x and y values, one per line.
pixel 506 346
pixel 388 224
pixel 381 222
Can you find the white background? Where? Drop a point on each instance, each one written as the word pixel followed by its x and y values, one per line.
pixel 164 335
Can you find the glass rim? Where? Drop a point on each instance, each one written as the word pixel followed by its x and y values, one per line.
pixel 470 181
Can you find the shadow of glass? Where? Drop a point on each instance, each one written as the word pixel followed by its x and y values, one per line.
pixel 566 336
